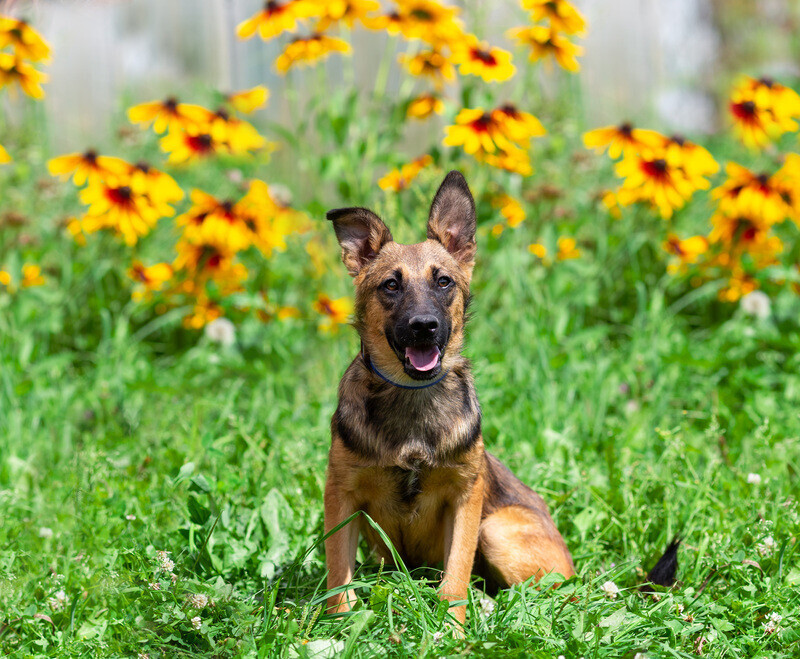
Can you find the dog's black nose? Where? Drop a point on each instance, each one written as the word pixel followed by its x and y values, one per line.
pixel 423 326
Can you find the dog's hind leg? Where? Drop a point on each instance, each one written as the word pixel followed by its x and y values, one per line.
pixel 518 542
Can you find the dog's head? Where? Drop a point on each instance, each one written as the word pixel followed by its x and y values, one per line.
pixel 411 300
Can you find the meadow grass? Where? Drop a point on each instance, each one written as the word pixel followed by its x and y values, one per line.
pixel 635 405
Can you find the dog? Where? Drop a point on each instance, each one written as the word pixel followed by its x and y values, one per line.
pixel 407 447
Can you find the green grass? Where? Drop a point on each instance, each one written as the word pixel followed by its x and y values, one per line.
pixel 635 405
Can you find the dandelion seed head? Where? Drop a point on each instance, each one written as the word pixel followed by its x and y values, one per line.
pixel 45 532
pixel 756 304
pixel 222 331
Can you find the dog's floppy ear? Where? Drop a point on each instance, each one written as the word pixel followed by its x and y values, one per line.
pixel 361 234
pixel 452 218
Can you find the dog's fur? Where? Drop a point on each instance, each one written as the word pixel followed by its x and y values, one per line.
pixel 413 459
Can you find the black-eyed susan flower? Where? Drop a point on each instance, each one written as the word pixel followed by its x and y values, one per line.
pixel 13 69
pixel 622 139
pixel 249 100
pixel 391 22
pixel 687 250
pixel 754 195
pixel 399 179
pixel 516 161
pixel 334 312
pixel 655 178
pixel 87 166
pixel 27 42
pixel 149 278
pixel 169 114
pixel 236 135
pixel 332 12
pixel 305 51
pixel 786 182
pixel 210 221
pixel 695 161
pixel 160 189
pixel 762 110
pixel 477 132
pixel 518 125
pixel 430 63
pixel 276 18
pixel 424 106
pixel 563 16
pixel 199 264
pixel 190 144
pixel 205 311
pixel 118 204
pixel 611 203
pixel 4 156
pixel 544 42
pixel 477 58
pixel 430 21
pixel 269 218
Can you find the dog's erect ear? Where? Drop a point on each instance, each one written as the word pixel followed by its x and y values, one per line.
pixel 452 218
pixel 361 234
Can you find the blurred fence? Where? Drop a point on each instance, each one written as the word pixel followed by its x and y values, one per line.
pixel 663 62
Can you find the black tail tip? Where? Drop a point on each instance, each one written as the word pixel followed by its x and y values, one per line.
pixel 664 571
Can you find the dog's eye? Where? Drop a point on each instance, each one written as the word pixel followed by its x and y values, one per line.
pixel 444 282
pixel 391 285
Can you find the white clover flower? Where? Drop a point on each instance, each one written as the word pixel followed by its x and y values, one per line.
pixel 130 518
pixel 437 636
pixel 222 331
pixel 757 304
pixel 45 532
pixel 610 590
pixel 767 546
pixel 754 479
pixel 164 561
pixel 154 585
pixel 58 601
pixel 487 606
pixel 198 601
pixel 640 655
pixel 196 622
pixel 144 655
pixel 772 626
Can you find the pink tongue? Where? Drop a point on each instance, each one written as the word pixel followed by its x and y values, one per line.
pixel 423 359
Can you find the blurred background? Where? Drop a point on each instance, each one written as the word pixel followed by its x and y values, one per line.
pixel 665 63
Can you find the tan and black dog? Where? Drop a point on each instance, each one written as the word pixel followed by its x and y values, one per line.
pixel 407 447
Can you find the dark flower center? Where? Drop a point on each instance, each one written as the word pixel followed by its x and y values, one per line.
pixel 484 56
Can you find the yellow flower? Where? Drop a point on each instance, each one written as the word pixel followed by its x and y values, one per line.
pixel 754 195
pixel 169 114
pixel 477 132
pixel 31 276
pixel 5 279
pixel 430 63
pixel 249 100
pixel 546 42
pixel 424 106
pixel 119 204
pixel 335 312
pixel 275 18
pixel 189 144
pixel 510 209
pixel 202 314
pixel 609 200
pixel 13 69
pixel 516 161
pixel 519 126
pixel 567 249
pixel 4 157
pixel 238 136
pixel 400 179
pixel 762 110
pixel 216 223
pixel 622 139
pixel 739 285
pixel 160 189
pixel 694 160
pixel 786 182
pixel 653 177
pixel 347 11
pixel 204 263
pixel 306 50
pixel 75 229
pixel 151 278
pixel 688 250
pixel 27 43
pixel 562 15
pixel 86 166
pixel 479 59
pixel 539 250
pixel 428 20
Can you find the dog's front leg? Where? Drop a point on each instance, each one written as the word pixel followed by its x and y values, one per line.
pixel 340 548
pixel 461 541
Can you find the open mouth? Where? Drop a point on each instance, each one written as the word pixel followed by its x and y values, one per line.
pixel 423 362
